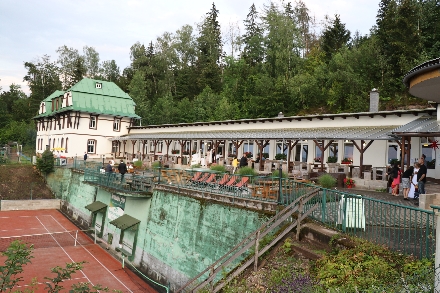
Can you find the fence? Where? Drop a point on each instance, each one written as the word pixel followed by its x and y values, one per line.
pixel 401 228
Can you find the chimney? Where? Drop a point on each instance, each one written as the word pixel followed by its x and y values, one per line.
pixel 374 100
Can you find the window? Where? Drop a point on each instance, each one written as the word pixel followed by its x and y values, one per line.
pixel 302 152
pixel 428 151
pixel 348 150
pixel 98 85
pixel 282 148
pixel 115 146
pixel 333 150
pixel 67 143
pixel 91 146
pixel 318 151
pixel 159 146
pixel 117 124
pixel 92 123
pixel 248 147
pixel 62 142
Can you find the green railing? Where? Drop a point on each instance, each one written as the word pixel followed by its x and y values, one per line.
pixel 401 228
pixel 127 183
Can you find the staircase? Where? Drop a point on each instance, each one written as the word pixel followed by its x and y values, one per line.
pixel 241 257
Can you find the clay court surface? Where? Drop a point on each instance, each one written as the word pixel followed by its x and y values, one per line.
pixel 59 248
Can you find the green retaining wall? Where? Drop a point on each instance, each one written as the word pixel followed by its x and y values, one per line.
pixel 178 236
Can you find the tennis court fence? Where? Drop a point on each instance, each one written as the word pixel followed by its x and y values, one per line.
pixel 56 239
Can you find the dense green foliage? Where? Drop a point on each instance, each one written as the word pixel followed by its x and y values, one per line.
pixel 18 255
pixel 327 181
pixel 46 163
pixel 219 168
pixel 281 62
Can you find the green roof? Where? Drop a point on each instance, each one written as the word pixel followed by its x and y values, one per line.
pixel 96 206
pixel 124 222
pixel 55 94
pixel 108 99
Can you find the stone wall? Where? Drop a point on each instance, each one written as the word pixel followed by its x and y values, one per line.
pixel 37 204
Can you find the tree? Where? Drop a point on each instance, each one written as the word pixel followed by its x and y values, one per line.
pixel 334 37
pixel 18 254
pixel 110 71
pixel 72 66
pixel 253 51
pixel 46 163
pixel 43 79
pixel 91 62
pixel 209 52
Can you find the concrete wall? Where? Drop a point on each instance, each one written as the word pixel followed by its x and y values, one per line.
pixel 178 236
pixel 38 204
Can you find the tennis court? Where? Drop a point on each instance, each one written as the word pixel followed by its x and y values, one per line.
pixel 56 242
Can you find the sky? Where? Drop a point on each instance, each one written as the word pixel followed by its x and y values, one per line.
pixel 30 29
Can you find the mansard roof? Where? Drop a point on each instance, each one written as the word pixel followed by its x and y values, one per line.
pixel 86 96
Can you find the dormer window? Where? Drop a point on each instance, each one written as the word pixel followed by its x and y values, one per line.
pixel 98 85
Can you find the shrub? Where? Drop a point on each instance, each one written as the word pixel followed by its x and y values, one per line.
pixel 247 171
pixel 265 155
pixel 138 164
pixel 218 168
pixel 276 174
pixel 195 166
pixel 332 159
pixel 327 181
pixel 46 163
pixel 155 165
pixel 280 156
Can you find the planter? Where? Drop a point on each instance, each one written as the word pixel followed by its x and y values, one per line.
pixel 349 186
pixel 346 163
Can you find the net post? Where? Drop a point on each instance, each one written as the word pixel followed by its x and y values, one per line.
pixel 76 236
pixel 95 236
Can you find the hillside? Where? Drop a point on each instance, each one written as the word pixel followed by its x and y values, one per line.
pixel 19 181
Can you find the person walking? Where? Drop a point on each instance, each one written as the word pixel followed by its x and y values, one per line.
pixel 406 178
pixel 414 188
pixel 421 175
pixel 234 165
pixel 396 180
pixel 109 167
pixel 122 168
pixel 85 157
pixel 243 161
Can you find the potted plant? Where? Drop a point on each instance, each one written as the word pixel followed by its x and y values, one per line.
pixel 248 155
pixel 175 152
pixel 280 156
pixel 185 153
pixel 332 159
pixel 347 161
pixel 349 182
pixel 318 159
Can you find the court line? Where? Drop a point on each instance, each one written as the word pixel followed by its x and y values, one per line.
pixel 95 258
pixel 85 276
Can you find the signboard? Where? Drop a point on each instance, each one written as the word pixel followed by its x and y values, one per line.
pixel 116 206
pixel 354 215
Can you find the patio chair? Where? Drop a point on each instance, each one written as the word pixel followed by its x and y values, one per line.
pixel 223 180
pixel 202 179
pixel 210 180
pixel 230 183
pixel 195 177
pixel 242 184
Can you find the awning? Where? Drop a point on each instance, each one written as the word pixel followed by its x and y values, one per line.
pixel 96 206
pixel 423 126
pixel 335 133
pixel 124 222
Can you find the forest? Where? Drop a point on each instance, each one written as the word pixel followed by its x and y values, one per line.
pixel 277 62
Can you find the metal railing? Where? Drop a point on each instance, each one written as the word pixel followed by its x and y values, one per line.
pixel 127 183
pixel 407 229
pixel 248 251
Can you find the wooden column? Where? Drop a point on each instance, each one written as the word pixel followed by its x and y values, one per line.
pixel 362 150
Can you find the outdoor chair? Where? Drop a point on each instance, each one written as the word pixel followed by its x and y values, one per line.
pixel 224 180
pixel 242 184
pixel 202 179
pixel 228 185
pixel 195 177
pixel 210 180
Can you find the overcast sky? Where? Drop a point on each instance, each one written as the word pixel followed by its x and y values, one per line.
pixel 33 28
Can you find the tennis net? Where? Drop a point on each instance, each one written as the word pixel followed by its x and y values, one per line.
pixel 56 239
